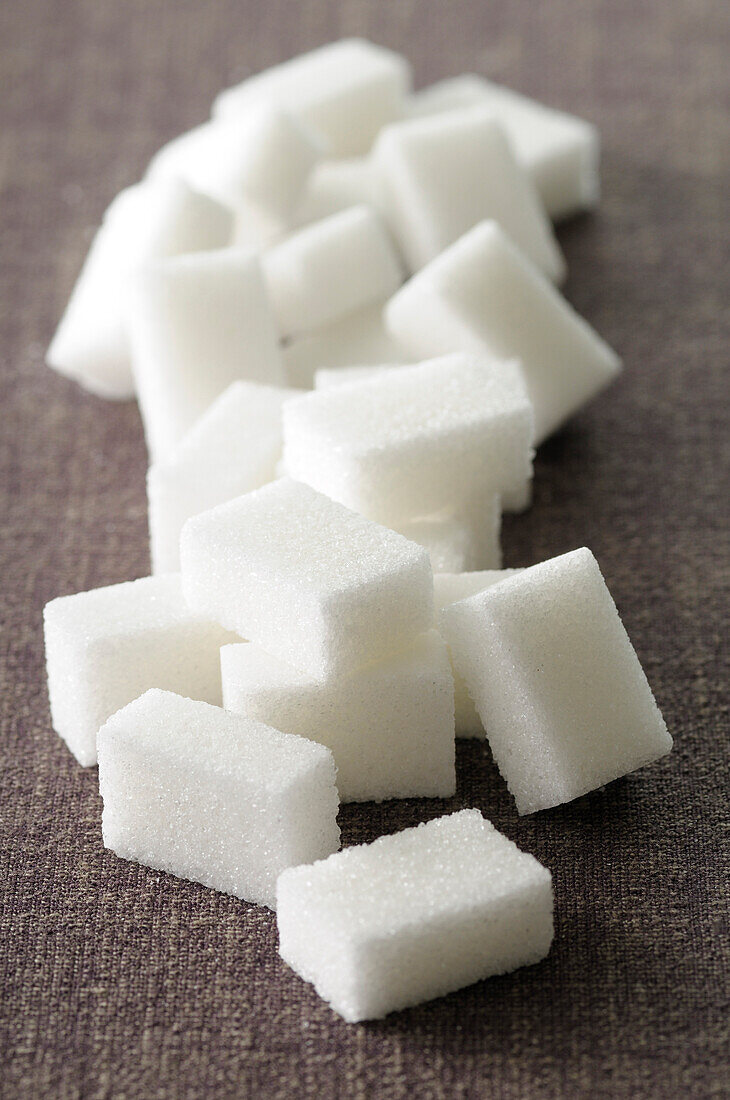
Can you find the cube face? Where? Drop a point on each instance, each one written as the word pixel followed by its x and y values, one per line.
pixel 314 584
pixel 358 338
pixel 233 449
pixel 448 587
pixel 467 540
pixel 390 725
pixel 556 682
pixel 413 916
pixel 410 442
pixel 482 293
pixel 197 324
pixel 346 91
pixel 144 222
pixel 213 797
pixel 108 646
pixel 331 269
pixel 559 150
pixel 442 175
pixel 336 184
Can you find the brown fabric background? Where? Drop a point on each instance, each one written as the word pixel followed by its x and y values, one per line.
pixel 120 982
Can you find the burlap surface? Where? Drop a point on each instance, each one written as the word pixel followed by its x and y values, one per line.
pixel 120 982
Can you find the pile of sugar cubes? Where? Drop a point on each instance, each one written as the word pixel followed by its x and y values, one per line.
pixel 326 609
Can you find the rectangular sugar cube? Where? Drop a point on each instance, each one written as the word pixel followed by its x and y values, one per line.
pixel 313 583
pixel 198 323
pixel 482 295
pixel 410 442
pixel 327 270
pixel 336 184
pixel 556 681
pixel 389 724
pixel 149 221
pixel 107 646
pixel 357 338
pixel 233 448
pixel 214 797
pixel 558 150
pixel 345 91
pixel 413 916
pixel 440 175
pixel 448 587
pixel 263 157
pixel 461 541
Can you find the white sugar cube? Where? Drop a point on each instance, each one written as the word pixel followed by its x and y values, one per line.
pixel 389 724
pixel 356 339
pixel 560 151
pixel 345 91
pixel 233 448
pixel 556 682
pixel 415 915
pixel 327 270
pixel 336 184
pixel 107 646
pixel 214 797
pixel 313 583
pixel 467 540
pixel 264 156
pixel 413 441
pixel 482 294
pixel 448 587
pixel 198 323
pixel 145 222
pixel 443 174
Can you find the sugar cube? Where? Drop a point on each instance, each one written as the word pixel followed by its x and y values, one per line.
pixel 410 442
pixel 556 681
pixel 560 152
pixel 105 647
pixel 345 91
pixel 466 540
pixel 448 587
pixel 483 295
pixel 264 156
pixel 233 448
pixel 355 339
pixel 327 377
pixel 198 323
pixel 145 222
pixel 441 175
pixel 214 797
pixel 336 184
pixel 415 915
pixel 389 724
pixel 330 269
pixel 313 583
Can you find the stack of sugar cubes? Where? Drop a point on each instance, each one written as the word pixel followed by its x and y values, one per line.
pixel 336 302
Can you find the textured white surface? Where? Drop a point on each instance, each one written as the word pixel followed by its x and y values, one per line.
pixel 214 797
pixel 390 724
pixel 329 269
pixel 408 443
pixel 441 175
pixel 448 587
pixel 483 295
pixel 560 152
pixel 107 646
pixel 312 582
pixel 264 156
pixel 345 91
pixel 233 448
pixel 198 323
pixel 414 915
pixel 146 222
pixel 556 682
pixel 358 338
pixel 327 377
